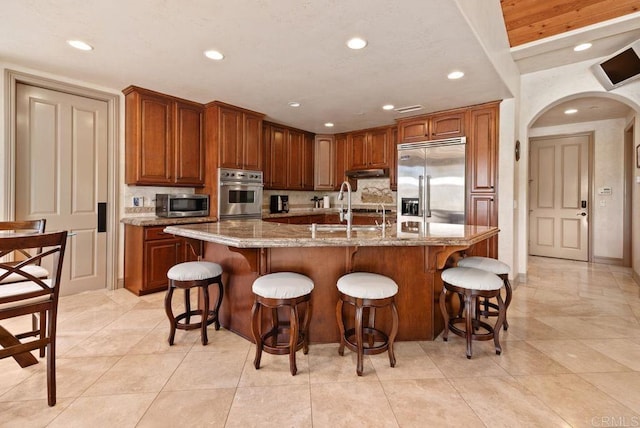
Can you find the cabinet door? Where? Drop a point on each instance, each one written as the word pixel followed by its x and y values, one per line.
pixel 189 145
pixel 296 159
pixel 252 144
pixel 324 162
pixel 341 159
pixel 357 150
pixel 308 162
pixel 154 140
pixel 482 149
pixel 230 138
pixel 160 256
pixel 447 125
pixel 483 211
pixel 393 163
pixel 378 148
pixel 277 158
pixel 413 129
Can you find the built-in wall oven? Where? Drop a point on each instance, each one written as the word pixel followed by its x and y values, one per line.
pixel 240 194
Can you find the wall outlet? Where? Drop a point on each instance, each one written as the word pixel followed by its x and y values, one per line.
pixel 137 201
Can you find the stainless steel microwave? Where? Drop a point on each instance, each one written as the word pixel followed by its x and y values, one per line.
pixel 182 205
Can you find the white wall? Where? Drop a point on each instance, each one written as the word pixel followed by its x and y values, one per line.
pixel 606 221
pixel 542 90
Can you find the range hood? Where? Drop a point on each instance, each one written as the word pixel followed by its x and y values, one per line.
pixel 368 173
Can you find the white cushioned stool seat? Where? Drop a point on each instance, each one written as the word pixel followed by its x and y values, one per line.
pixel 194 271
pixel 282 285
pixel 471 278
pixel 35 270
pixel 366 285
pixel 485 263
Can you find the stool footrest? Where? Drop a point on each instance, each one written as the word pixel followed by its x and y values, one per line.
pixel 213 316
pixel 488 335
pixel 350 341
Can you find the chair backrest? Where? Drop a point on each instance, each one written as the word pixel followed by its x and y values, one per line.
pixel 52 244
pixel 26 226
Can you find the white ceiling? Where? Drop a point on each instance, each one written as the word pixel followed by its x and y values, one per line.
pixel 589 109
pixel 276 52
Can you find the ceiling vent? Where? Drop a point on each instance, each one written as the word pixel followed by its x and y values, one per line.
pixel 408 109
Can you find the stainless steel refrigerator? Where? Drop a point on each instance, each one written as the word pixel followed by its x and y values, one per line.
pixel 431 183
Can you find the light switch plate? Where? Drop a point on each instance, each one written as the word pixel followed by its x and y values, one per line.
pixel 137 201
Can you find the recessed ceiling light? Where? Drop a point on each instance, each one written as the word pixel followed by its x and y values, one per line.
pixel 329 125
pixel 582 47
pixel 356 43
pixel 571 111
pixel 79 44
pixel 294 104
pixel 388 107
pixel 213 55
pixel 455 75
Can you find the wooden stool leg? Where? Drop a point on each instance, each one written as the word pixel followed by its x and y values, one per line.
pixel 187 305
pixel 205 315
pixel 293 338
pixel 502 312
pixel 359 340
pixel 340 326
pixel 445 313
pixel 169 311
pixel 372 324
pixel 255 329
pixel 394 332
pixel 43 328
pixel 507 287
pixel 218 304
pixel 305 328
pixel 470 302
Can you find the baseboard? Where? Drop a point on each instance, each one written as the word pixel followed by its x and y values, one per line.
pixel 635 277
pixel 608 261
pixel 120 283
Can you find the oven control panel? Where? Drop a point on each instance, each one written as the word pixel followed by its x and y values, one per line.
pixel 240 175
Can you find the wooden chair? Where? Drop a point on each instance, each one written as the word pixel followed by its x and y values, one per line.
pixel 37 226
pixel 33 295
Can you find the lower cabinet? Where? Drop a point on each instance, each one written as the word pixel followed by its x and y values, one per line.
pixel 148 254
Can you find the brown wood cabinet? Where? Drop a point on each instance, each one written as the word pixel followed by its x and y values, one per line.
pixel 164 139
pixel 393 165
pixel 288 158
pixel 239 136
pixel 149 253
pixel 482 173
pixel 435 126
pixel 341 159
pixel 324 162
pixel 369 148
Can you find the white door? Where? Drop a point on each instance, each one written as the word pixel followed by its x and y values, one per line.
pixel 61 175
pixel 559 197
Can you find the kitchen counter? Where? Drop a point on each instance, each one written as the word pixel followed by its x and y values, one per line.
pixel 164 221
pixel 250 248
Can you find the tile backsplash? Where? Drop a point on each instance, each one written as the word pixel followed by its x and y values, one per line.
pixel 146 197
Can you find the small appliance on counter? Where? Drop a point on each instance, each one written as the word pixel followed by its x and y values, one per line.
pixel 279 204
pixel 182 205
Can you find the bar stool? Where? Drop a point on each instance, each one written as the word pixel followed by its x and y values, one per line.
pixel 496 267
pixel 278 290
pixel 369 291
pixel 470 284
pixel 187 276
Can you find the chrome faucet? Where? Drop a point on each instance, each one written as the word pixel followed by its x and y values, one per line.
pixel 348 215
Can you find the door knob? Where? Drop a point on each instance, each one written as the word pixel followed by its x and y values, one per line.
pixel 582 214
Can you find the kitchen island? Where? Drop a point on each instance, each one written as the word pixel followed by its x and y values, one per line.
pixel 248 248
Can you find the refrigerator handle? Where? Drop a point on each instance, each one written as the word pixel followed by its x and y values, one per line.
pixel 420 195
pixel 428 205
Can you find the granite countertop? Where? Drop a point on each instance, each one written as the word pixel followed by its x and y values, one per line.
pixel 164 221
pixel 333 210
pixel 262 234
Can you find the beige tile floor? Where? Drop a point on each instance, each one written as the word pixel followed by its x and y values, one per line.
pixel 570 358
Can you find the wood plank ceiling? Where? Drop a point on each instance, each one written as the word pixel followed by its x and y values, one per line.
pixel 530 20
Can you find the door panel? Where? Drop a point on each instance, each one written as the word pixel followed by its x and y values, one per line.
pixel 559 183
pixel 61 175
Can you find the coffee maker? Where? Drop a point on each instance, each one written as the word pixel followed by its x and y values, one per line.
pixel 279 204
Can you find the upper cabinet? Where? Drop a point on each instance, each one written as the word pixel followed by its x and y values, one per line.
pixel 482 149
pixel 436 126
pixel 288 158
pixel 324 162
pixel 369 148
pixel 238 135
pixel 164 139
pixel 341 159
